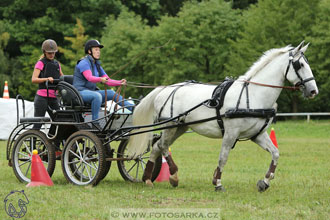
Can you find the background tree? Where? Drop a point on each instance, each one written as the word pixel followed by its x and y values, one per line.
pixel 123 41
pixel 76 51
pixel 319 57
pixel 4 66
pixel 197 45
pixel 273 24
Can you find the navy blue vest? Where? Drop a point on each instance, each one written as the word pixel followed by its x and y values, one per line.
pixel 79 81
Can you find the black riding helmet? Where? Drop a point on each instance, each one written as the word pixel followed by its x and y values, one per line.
pixel 92 43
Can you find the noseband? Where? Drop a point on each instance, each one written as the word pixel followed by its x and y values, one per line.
pixel 297 66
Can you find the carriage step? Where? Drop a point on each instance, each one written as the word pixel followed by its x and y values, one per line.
pixel 35 119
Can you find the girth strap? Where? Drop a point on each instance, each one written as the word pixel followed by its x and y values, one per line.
pixel 217 100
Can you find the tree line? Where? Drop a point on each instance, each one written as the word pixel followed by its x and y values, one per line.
pixel 166 41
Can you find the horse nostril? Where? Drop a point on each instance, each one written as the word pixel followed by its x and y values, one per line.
pixel 314 92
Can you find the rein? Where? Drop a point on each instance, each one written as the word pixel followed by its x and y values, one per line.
pixel 273 86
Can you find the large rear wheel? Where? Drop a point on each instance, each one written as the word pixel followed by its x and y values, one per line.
pixel 83 159
pixel 22 154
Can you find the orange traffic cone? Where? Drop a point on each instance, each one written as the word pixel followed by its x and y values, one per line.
pixel 164 174
pixel 273 137
pixel 39 174
pixel 5 91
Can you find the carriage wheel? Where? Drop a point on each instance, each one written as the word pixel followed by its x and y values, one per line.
pixel 109 154
pixel 132 170
pixel 22 154
pixel 83 159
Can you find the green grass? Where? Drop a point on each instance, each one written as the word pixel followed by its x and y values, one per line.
pixel 300 190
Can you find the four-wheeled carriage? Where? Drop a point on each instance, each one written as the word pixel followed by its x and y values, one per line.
pixel 83 146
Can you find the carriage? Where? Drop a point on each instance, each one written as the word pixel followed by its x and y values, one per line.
pixel 85 147
pixel 238 109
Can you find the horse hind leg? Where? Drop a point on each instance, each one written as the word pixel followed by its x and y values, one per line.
pixel 155 152
pixel 264 141
pixel 169 136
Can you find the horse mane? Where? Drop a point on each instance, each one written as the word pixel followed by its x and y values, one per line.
pixel 265 59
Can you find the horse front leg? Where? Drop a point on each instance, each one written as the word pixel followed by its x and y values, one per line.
pixel 227 144
pixel 265 142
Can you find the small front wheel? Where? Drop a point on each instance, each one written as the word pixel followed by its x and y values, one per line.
pixel 83 159
pixel 132 170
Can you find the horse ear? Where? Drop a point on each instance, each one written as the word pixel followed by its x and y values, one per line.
pixel 304 48
pixel 295 50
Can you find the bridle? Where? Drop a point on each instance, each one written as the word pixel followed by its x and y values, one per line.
pixel 297 66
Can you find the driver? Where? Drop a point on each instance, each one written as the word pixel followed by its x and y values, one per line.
pixel 88 72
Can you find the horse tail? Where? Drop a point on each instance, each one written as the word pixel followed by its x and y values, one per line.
pixel 143 115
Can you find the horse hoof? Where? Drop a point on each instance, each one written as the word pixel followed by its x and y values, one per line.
pixel 174 180
pixel 262 186
pixel 149 183
pixel 220 189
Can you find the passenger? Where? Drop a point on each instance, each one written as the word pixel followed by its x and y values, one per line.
pixel 88 72
pixel 46 69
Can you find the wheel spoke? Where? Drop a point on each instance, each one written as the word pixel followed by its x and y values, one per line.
pixel 25 155
pixel 74 154
pixel 84 152
pixel 76 170
pixel 77 144
pixel 82 172
pixel 89 173
pixel 43 153
pixel 27 170
pixel 88 151
pixel 95 168
pixel 141 161
pixel 24 163
pixel 137 171
pixel 27 147
pixel 90 158
pixel 74 162
pixel 131 167
pixel 32 145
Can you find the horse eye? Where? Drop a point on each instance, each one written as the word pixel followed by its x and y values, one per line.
pixel 301 64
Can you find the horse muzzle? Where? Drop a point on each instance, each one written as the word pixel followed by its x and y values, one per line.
pixel 309 89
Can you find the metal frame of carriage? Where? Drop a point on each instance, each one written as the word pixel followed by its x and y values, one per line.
pixel 84 148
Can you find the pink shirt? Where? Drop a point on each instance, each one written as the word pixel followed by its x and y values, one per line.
pixel 89 76
pixel 43 92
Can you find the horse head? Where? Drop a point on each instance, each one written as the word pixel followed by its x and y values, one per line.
pixel 299 72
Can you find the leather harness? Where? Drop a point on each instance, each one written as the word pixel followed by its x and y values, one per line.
pixel 220 91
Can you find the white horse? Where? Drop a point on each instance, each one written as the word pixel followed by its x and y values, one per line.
pixel 263 82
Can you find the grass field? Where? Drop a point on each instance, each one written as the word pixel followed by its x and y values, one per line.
pixel 300 190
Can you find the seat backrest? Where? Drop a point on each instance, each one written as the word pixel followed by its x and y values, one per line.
pixel 67 78
pixel 69 95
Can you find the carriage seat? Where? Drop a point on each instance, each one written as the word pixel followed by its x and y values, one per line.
pixel 69 95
